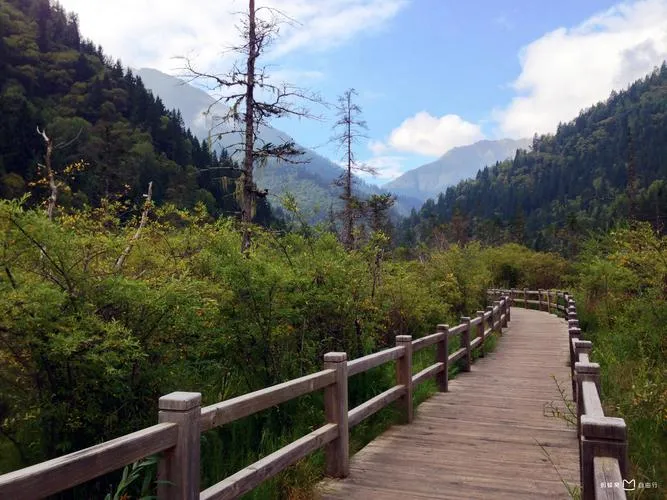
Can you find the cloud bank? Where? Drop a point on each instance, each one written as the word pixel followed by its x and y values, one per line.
pixel 150 33
pixel 567 70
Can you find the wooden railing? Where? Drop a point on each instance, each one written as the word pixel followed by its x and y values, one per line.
pixel 603 441
pixel 182 420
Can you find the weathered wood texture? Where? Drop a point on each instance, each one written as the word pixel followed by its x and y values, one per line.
pixel 608 473
pixel 480 439
pixel 47 478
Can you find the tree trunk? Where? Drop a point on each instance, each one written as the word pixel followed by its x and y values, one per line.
pixel 349 222
pixel 53 197
pixel 248 201
pixel 142 223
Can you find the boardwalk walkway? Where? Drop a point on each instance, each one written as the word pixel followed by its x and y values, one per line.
pixel 480 440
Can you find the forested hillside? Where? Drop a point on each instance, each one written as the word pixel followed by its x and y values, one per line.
pixel 608 164
pixel 105 308
pixel 110 135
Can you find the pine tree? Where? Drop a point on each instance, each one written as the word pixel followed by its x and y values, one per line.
pixel 349 130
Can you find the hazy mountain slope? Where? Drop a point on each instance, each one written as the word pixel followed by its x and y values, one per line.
pixel 455 165
pixel 310 182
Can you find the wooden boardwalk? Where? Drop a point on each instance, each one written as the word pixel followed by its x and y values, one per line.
pixel 480 439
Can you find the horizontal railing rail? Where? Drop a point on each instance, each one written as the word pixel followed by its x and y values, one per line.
pixel 603 441
pixel 183 419
pixel 53 476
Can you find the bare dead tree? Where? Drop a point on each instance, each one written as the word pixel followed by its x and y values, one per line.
pixel 144 219
pixel 50 173
pixel 53 197
pixel 349 130
pixel 253 101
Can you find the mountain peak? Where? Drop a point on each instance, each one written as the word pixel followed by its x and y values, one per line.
pixel 455 165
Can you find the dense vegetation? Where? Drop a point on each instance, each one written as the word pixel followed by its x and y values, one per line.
pixel 607 165
pixel 623 310
pixel 117 133
pixel 87 349
pixel 88 345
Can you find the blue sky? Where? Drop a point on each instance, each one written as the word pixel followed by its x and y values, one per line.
pixel 431 74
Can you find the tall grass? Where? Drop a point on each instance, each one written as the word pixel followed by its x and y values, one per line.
pixel 623 309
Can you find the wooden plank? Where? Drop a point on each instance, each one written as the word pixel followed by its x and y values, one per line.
pixel 248 478
pixel 373 405
pixel 489 436
pixel 476 321
pixel 427 373
pixel 360 365
pixel 427 341
pixel 53 476
pixel 458 329
pixel 607 472
pixel 456 355
pixel 233 409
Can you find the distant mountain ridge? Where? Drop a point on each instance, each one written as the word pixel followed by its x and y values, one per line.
pixel 457 164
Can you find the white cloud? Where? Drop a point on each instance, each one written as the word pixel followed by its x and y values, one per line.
pixel 329 23
pixel 570 69
pixel 429 135
pixel 388 168
pixel 152 32
pixel 377 147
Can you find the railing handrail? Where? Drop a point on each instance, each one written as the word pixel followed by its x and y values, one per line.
pixel 58 474
pixel 182 420
pixel 603 440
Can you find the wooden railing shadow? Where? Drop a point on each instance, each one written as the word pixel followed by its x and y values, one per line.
pixel 182 420
pixel 603 441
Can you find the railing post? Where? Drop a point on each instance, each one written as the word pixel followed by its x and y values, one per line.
pixel 404 376
pixel 495 317
pixel 549 301
pixel 490 321
pixel 337 452
pixel 465 340
pixel 575 334
pixel 178 470
pixel 582 372
pixel 480 333
pixel 525 298
pixel 509 303
pixel 539 299
pixel 572 312
pixel 585 347
pixel 441 355
pixel 503 313
pixel 601 436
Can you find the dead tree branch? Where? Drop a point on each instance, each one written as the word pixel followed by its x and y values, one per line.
pixel 137 234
